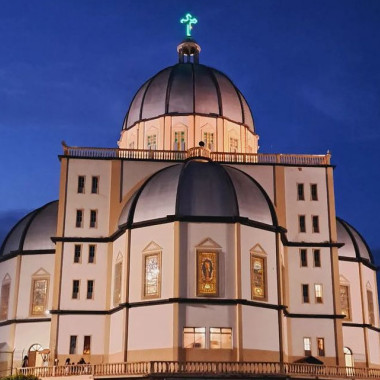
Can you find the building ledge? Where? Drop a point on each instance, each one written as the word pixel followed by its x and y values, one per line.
pixel 198 152
pixel 203 369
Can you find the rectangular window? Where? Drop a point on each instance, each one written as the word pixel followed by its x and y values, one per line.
pixel 208 139
pixel 91 253
pixel 81 181
pixel 307 346
pixel 300 192
pixel 5 292
pixel 258 277
pixel 371 310
pixel 179 140
pixel 94 185
pixel 75 293
pixel 87 345
pixel 315 219
pixel 39 296
pixel 79 219
pixel 93 217
pixel 151 142
pixel 321 346
pixel 152 275
pixel 345 301
pixel 305 293
pixel 303 257
pixel 73 345
pixel 117 284
pixel 77 253
pixel 90 289
pixel 234 145
pixel 314 192
pixel 317 257
pixel 302 223
pixel 194 337
pixel 207 273
pixel 220 338
pixel 318 293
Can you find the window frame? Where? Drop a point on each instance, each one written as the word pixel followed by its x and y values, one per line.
pixel 315 226
pixel 95 177
pixel 220 334
pixel 305 295
pixel 79 218
pixel 5 297
pixel 307 352
pixel 264 284
pixel 93 221
pixel 302 226
pixel 319 261
pixel 77 259
pixel 73 348
pixel 194 332
pixel 321 351
pixel 92 295
pixel 303 260
pixel 81 189
pixel 314 195
pixel 90 246
pixel 145 294
pixel 318 299
pixel 32 290
pixel 347 286
pixel 370 307
pixel 85 352
pixel 77 293
pixel 300 191
pixel 150 139
pixel 116 300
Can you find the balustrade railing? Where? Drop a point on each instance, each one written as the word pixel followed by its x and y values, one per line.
pixel 168 368
pixel 176 155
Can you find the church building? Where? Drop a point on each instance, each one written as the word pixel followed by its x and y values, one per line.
pixel 184 245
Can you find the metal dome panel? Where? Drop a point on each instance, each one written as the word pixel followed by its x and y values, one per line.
pixel 134 113
pixel 155 97
pixel 180 96
pixel 206 190
pixel 206 94
pixel 252 202
pixel 157 198
pixel 231 105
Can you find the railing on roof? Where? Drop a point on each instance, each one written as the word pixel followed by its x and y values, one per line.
pixel 176 155
pixel 173 368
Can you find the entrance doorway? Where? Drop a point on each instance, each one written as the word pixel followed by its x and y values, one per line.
pixel 34 360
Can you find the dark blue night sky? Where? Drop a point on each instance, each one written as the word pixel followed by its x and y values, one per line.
pixel 310 71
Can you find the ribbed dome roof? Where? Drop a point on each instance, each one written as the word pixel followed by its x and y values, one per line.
pixel 199 190
pixel 354 244
pixel 33 232
pixel 189 88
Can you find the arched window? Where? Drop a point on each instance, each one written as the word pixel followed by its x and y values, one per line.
pixel 117 280
pixel 348 359
pixel 5 292
pixel 152 271
pixel 258 267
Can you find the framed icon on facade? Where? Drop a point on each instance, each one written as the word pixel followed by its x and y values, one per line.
pixel 207 273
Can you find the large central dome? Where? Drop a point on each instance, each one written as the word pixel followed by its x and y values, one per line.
pixel 189 88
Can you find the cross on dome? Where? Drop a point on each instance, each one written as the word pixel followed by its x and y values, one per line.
pixel 189 20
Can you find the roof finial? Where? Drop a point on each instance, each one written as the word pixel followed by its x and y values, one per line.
pixel 188 20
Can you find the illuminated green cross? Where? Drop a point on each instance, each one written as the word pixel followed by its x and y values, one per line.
pixel 189 20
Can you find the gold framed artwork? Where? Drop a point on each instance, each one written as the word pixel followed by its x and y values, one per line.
pixel 207 273
pixel 258 277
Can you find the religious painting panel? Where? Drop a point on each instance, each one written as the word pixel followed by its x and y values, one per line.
pixel 39 296
pixel 207 273
pixel 258 277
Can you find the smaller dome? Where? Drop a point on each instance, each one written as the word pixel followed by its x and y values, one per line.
pixel 33 232
pixel 354 244
pixel 202 191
